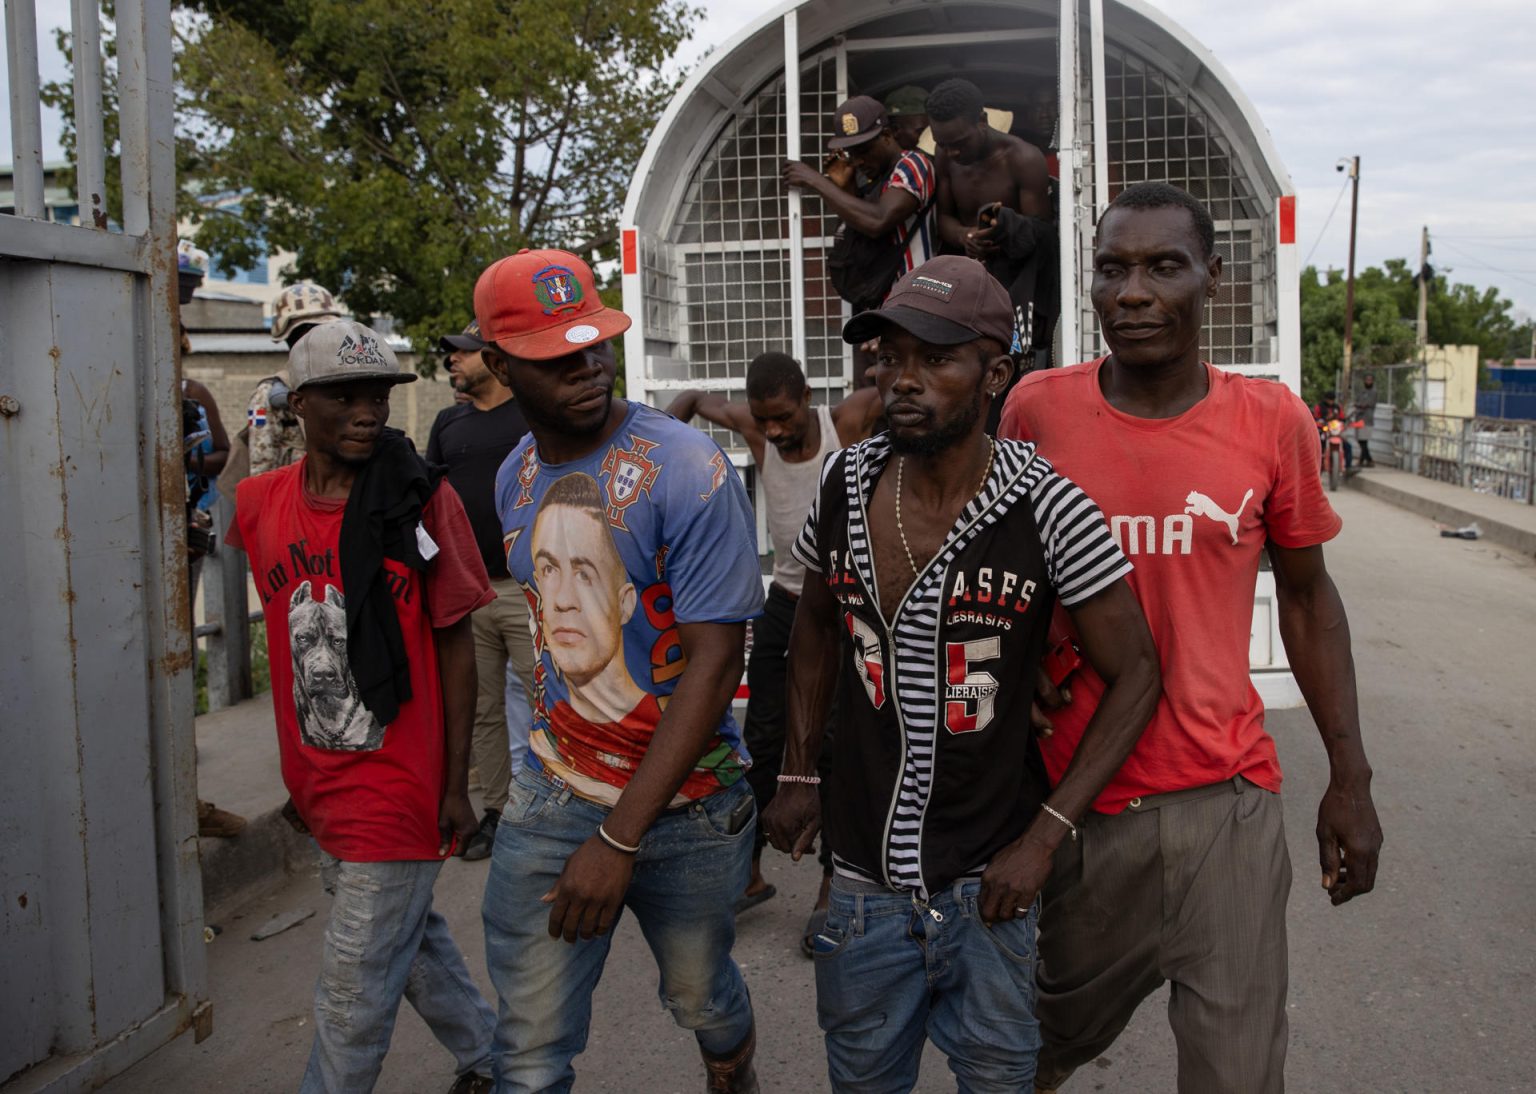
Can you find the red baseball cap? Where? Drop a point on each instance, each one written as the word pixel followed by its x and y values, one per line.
pixel 540 305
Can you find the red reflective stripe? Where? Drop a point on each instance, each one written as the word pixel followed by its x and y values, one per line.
pixel 631 251
pixel 1288 218
pixel 742 692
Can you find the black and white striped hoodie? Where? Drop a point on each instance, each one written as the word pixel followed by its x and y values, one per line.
pixel 937 764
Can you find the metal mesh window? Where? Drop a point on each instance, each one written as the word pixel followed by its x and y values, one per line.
pixel 1157 132
pixel 731 246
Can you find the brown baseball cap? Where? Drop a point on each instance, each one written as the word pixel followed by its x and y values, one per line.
pixel 946 301
pixel 857 121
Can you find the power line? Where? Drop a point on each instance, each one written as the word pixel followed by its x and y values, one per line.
pixel 1517 275
pixel 1327 222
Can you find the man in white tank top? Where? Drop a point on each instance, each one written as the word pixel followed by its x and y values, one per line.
pixel 789 438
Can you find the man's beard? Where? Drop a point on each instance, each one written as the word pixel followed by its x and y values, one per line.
pixel 941 437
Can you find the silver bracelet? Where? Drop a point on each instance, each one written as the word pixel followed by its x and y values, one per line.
pixel 809 780
pixel 602 834
pixel 1072 828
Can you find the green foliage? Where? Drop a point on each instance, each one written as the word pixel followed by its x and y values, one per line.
pixel 399 148
pixel 1386 312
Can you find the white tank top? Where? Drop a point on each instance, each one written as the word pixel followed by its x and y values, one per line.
pixel 790 488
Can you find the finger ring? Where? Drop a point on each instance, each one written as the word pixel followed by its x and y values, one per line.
pixel 1022 911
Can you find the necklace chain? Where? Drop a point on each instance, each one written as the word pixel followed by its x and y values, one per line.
pixel 901 462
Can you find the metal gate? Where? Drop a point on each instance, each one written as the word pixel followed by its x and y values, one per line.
pixel 101 951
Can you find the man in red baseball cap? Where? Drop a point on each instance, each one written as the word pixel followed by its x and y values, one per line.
pixel 633 539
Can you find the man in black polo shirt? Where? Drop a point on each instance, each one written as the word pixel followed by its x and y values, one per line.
pixel 934 558
pixel 472 439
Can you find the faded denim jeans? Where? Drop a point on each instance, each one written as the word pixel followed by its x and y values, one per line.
pixel 892 973
pixel 384 941
pixel 687 876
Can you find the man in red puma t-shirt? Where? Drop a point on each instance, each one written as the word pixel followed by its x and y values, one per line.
pixel 1198 471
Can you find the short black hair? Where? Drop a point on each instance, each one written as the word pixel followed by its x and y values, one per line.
pixel 1162 195
pixel 774 373
pixel 955 99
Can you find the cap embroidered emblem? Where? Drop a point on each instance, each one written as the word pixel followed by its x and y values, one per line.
pixel 581 334
pixel 557 289
pixel 933 285
pixel 361 350
pixel 850 125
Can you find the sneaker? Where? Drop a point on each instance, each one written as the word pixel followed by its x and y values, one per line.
pixel 479 845
pixel 213 821
pixel 470 1083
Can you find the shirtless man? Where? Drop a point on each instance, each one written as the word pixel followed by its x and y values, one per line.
pixel 994 205
pixel 789 438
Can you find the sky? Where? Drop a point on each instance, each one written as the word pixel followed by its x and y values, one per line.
pixel 1435 99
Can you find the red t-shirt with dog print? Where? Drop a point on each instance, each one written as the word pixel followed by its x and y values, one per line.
pixel 1191 500
pixel 369 793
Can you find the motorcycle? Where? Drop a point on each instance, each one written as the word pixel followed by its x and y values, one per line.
pixel 1332 430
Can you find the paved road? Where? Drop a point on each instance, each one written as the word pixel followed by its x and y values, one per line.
pixel 1426 985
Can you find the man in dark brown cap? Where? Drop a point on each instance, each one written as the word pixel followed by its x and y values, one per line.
pixel 940 554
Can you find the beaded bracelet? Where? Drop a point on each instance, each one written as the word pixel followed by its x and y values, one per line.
pixel 809 780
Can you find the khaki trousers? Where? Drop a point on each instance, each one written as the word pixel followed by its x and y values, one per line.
pixel 1188 887
pixel 501 634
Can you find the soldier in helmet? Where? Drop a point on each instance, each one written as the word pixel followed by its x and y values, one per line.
pixel 273 435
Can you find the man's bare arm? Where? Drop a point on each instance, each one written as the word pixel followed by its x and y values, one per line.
pixel 1031 179
pixel 855 416
pixel 871 218
pixel 951 230
pixel 591 888
pixel 794 816
pixel 716 408
pixel 1315 631
pixel 1118 644
pixel 456 675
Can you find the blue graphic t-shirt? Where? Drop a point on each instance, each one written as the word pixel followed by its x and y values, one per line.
pixel 614 551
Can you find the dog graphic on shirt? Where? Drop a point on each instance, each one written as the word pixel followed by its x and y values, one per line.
pixel 325 693
pixel 1200 505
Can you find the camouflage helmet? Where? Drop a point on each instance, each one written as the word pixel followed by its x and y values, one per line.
pixel 304 301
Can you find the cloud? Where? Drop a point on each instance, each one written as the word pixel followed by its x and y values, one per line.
pixel 1435 99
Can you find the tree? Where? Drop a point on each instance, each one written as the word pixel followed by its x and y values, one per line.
pixel 398 148
pixel 1386 314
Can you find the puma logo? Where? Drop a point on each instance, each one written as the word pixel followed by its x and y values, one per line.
pixel 1198 504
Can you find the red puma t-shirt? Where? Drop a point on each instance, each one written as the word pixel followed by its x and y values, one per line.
pixel 1191 500
pixel 369 793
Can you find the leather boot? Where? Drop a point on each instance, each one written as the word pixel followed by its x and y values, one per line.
pixel 732 1073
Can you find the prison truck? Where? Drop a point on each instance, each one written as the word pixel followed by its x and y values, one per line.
pixel 719 262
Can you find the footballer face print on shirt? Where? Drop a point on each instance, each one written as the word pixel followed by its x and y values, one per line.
pixel 325 693
pixel 585 597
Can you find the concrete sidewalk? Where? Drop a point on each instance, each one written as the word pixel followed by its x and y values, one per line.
pixel 1508 523
pixel 1424 985
pixel 238 770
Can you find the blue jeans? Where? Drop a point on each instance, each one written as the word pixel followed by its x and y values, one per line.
pixel 890 971
pixel 384 941
pixel 687 876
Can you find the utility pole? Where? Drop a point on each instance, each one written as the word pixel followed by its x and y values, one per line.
pixel 1423 328
pixel 1422 333
pixel 1353 164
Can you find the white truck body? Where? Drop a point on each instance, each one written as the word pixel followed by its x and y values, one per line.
pixel 720 263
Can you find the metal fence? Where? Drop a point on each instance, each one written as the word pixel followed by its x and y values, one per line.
pixel 1488 455
pixel 226 626
pixel 1510 401
pixel 101 941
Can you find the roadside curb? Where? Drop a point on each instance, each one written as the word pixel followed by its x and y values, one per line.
pixel 1508 535
pixel 252 864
